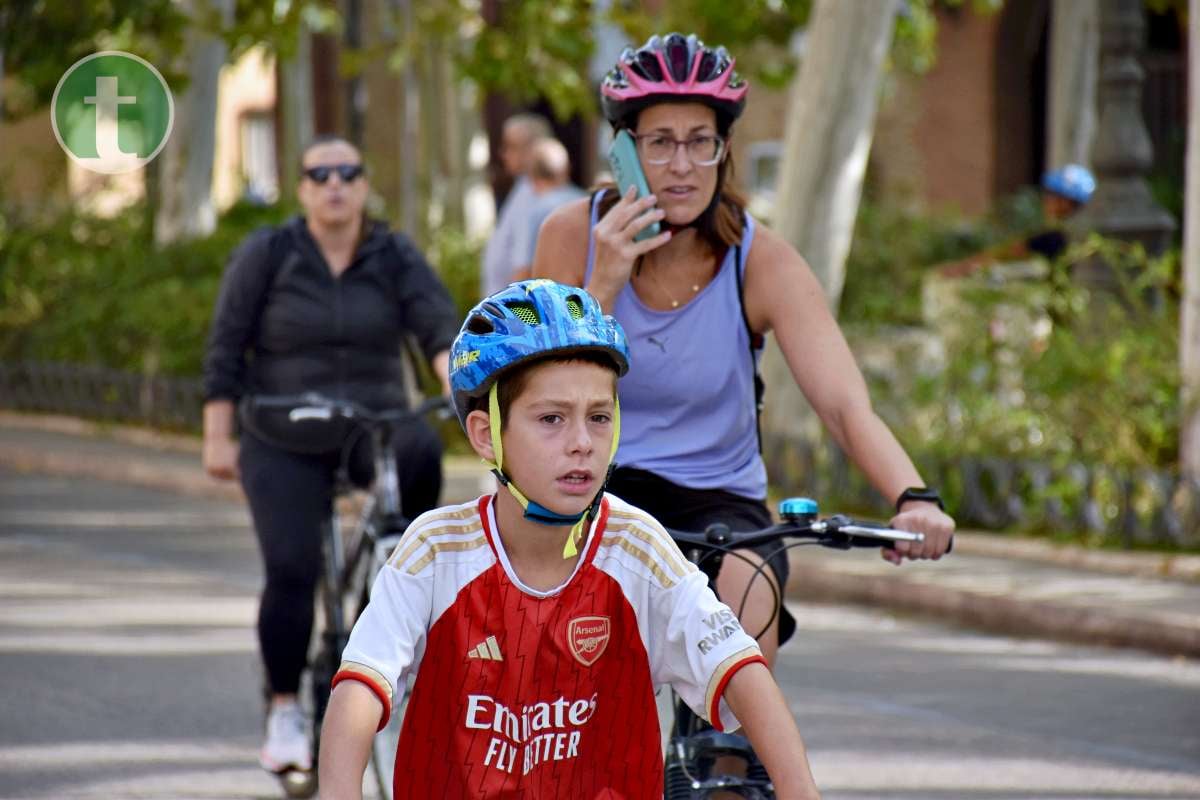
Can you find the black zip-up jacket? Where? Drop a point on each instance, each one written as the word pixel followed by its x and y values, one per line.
pixel 306 330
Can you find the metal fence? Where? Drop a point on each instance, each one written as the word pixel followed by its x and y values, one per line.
pixel 101 393
pixel 1122 507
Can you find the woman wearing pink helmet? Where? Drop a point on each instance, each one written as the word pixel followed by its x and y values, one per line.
pixel 696 301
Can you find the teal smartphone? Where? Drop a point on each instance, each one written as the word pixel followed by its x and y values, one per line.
pixel 623 158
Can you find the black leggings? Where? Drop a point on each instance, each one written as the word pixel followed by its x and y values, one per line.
pixel 693 510
pixel 291 497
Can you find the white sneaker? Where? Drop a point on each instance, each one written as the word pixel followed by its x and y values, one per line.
pixel 286 745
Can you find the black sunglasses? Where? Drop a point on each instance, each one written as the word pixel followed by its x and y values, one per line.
pixel 347 172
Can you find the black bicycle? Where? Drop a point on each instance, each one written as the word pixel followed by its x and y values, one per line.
pixel 698 757
pixel 351 559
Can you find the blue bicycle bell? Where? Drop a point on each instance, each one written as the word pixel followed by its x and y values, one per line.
pixel 796 509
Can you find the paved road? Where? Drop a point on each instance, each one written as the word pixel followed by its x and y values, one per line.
pixel 897 708
pixel 128 670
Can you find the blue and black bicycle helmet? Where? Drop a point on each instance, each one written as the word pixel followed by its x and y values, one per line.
pixel 525 321
pixel 1072 182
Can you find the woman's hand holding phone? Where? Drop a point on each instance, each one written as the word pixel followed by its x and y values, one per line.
pixel 616 250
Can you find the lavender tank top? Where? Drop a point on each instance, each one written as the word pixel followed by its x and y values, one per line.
pixel 687 402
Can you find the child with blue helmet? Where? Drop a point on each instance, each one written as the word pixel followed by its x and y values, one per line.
pixel 539 620
pixel 1064 192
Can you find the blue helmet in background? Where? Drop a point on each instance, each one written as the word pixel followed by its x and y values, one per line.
pixel 525 321
pixel 1072 182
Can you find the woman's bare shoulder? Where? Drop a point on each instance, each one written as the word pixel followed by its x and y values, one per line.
pixel 773 250
pixel 573 218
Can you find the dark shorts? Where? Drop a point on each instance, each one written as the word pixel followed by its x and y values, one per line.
pixel 688 509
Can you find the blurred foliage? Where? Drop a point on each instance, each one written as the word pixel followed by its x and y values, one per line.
pixel 756 32
pixel 82 289
pixel 890 254
pixel 760 32
pixel 894 248
pixel 457 259
pixel 538 48
pixel 40 39
pixel 1055 372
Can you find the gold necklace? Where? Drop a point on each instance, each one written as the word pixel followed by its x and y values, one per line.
pixel 663 289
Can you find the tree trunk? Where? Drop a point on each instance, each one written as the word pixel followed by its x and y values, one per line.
pixel 829 129
pixel 1189 345
pixel 296 106
pixel 1074 67
pixel 409 124
pixel 186 209
pixel 828 138
pixel 454 154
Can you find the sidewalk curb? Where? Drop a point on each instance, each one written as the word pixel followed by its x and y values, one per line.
pixel 1165 566
pixel 1000 614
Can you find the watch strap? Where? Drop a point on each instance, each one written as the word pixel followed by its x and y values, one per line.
pixel 922 493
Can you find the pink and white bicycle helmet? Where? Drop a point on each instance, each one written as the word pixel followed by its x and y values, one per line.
pixel 672 67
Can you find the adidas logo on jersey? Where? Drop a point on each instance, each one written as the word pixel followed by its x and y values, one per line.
pixel 488 650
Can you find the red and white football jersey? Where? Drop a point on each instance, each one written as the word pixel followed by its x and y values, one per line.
pixel 529 694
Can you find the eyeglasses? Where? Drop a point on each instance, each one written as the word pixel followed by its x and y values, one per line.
pixel 347 172
pixel 657 149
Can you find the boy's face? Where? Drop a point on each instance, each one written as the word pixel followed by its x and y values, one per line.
pixel 558 434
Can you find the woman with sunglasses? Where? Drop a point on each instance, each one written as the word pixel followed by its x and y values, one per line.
pixel 322 303
pixel 696 301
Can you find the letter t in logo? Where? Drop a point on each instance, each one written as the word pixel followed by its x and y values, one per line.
pixel 106 100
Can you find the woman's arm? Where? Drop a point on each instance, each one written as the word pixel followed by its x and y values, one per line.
pixel 441 368
pixel 350 723
pixel 240 302
pixel 220 453
pixel 783 295
pixel 755 699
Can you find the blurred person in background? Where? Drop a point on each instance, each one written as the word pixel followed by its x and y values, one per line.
pixel 1064 192
pixel 320 303
pixel 550 176
pixel 504 254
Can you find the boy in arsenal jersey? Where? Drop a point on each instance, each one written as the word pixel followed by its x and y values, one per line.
pixel 539 620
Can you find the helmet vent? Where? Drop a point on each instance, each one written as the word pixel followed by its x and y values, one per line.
pixel 574 307
pixel 525 311
pixel 480 324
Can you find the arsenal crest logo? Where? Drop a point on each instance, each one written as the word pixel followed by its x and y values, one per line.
pixel 588 637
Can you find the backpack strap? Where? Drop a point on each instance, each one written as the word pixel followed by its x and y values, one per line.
pixel 757 342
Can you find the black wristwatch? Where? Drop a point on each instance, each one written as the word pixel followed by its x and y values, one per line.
pixel 923 493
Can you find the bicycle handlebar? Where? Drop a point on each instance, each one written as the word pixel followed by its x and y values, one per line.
pixel 316 406
pixel 838 532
